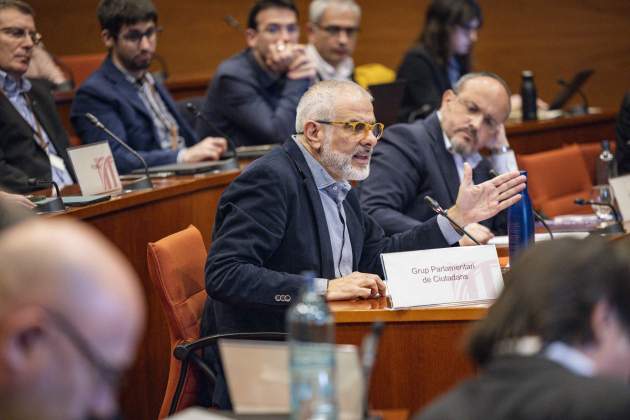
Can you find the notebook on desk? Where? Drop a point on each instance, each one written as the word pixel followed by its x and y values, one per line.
pixel 257 374
pixel 192 168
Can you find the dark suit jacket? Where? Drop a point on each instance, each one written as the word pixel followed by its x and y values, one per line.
pixel 21 157
pixel 531 388
pixel 409 163
pixel 250 105
pixel 115 101
pixel 623 136
pixel 270 227
pixel 426 82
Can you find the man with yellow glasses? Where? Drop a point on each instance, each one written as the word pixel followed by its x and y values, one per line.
pixel 294 210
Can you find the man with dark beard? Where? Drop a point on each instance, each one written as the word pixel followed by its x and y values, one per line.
pixel 294 210
pixel 128 100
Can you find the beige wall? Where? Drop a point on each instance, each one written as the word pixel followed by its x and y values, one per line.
pixel 554 38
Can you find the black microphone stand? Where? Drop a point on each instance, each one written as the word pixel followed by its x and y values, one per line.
pixel 617 227
pixel 369 351
pixel 231 163
pixel 53 205
pixel 439 210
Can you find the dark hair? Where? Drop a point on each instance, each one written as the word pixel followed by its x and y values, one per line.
pixel 114 14
pixel 551 292
pixel 23 7
pixel 261 5
pixel 441 18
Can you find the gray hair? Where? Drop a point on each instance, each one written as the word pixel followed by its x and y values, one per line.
pixel 459 85
pixel 318 7
pixel 318 103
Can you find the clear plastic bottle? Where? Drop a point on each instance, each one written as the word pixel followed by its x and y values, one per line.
pixel 311 356
pixel 606 165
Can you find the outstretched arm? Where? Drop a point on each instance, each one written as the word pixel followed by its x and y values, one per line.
pixel 480 202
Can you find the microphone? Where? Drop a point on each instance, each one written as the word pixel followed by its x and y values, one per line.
pixel 369 350
pixel 583 202
pixel 583 109
pixel 53 204
pixel 198 115
pixel 142 183
pixel 537 215
pixel 232 22
pixel 439 210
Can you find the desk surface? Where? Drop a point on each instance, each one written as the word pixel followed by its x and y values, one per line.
pixel 421 352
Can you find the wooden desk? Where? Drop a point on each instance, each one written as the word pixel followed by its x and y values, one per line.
pixel 538 136
pixel 420 354
pixel 131 221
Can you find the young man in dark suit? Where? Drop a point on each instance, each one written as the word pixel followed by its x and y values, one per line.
pixel 32 139
pixel 253 95
pixel 128 100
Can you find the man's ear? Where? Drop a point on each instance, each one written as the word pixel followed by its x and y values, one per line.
pixel 314 135
pixel 22 333
pixel 448 96
pixel 251 36
pixel 107 38
pixel 602 318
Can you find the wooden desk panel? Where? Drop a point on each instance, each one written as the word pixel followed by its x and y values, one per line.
pixel 420 355
pixel 538 136
pixel 130 222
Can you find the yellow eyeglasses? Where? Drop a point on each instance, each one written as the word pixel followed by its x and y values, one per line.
pixel 358 127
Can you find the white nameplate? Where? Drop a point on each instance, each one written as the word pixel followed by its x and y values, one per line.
pixel 460 275
pixel 95 168
pixel 621 192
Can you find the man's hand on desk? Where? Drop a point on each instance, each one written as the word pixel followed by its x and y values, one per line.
pixel 480 202
pixel 355 285
pixel 16 199
pixel 210 148
pixel 477 231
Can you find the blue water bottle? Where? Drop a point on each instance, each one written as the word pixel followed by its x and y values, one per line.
pixel 311 356
pixel 520 224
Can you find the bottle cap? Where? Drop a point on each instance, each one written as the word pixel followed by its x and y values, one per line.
pixel 527 73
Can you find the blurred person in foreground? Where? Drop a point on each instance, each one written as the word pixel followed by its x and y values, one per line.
pixel 556 343
pixel 69 323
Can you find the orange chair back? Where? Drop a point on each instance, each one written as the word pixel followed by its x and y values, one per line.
pixel 176 267
pixel 82 65
pixel 555 179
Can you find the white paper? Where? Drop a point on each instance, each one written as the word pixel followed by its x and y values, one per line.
pixel 95 168
pixel 502 241
pixel 621 192
pixel 443 276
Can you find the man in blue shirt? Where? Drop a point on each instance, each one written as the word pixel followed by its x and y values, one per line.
pixel 253 95
pixel 294 210
pixel 32 139
pixel 128 100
